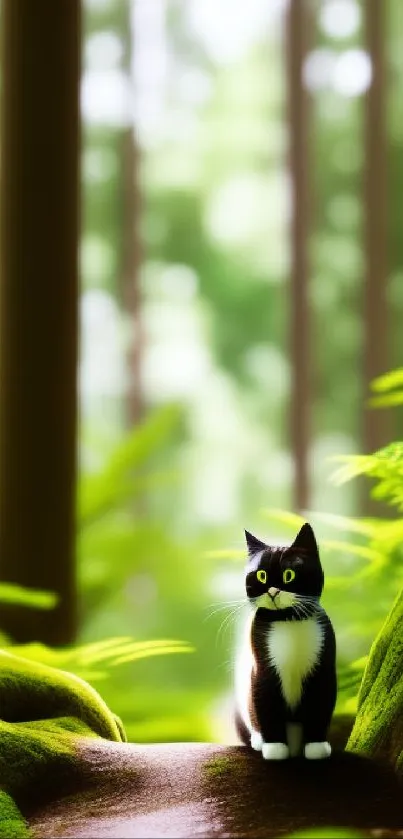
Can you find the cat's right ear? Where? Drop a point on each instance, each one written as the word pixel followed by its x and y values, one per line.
pixel 254 545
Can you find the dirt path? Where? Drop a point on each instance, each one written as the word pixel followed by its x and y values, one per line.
pixel 205 790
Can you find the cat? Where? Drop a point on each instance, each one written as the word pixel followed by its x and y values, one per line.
pixel 285 674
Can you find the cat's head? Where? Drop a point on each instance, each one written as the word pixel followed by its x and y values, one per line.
pixel 286 581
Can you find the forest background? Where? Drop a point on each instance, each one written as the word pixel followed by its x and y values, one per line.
pixel 226 353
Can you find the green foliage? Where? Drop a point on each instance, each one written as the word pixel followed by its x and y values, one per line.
pixel 123 478
pixel 390 388
pixel 12 593
pixel 385 465
pixel 137 578
pixel 81 659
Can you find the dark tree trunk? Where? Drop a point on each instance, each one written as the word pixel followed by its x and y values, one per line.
pixel 375 423
pixel 297 37
pixel 39 301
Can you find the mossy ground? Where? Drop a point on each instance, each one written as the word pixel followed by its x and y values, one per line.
pixel 44 714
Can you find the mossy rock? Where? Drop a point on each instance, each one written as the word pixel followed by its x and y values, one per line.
pixel 378 728
pixel 12 825
pixel 44 715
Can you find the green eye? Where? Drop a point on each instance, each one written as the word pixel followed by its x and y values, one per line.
pixel 288 575
pixel 262 576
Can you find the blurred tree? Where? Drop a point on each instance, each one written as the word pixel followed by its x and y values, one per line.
pixel 39 293
pixel 131 205
pixel 297 48
pixel 376 322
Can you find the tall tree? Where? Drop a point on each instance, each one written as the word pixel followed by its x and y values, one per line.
pixel 38 309
pixel 298 116
pixel 375 424
pixel 131 239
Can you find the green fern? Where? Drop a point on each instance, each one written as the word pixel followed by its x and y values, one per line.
pixel 111 652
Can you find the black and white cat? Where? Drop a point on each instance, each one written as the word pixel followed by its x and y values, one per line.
pixel 285 675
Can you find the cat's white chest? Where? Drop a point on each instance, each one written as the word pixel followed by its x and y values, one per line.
pixel 293 648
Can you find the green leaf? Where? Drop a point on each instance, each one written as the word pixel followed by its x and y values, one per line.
pixel 394 378
pixel 111 651
pixel 291 520
pixel 11 593
pixel 354 465
pixel 389 400
pixel 362 551
pixel 163 648
pixel 366 527
pixel 122 479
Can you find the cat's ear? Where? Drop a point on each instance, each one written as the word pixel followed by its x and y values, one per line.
pixel 254 545
pixel 306 541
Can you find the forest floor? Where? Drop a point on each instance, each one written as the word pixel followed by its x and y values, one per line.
pixel 207 790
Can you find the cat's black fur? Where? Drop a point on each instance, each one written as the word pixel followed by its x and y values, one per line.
pixel 268 707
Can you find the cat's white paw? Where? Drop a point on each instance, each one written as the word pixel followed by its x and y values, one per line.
pixel 256 741
pixel 317 751
pixel 275 751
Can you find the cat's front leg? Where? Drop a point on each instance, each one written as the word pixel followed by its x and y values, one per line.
pixel 256 740
pixel 270 751
pixel 316 709
pixel 269 710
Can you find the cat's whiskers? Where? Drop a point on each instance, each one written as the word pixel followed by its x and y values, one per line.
pixel 219 607
pixel 302 608
pixel 228 618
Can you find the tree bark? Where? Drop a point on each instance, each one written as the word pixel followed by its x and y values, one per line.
pixel 39 302
pixel 297 37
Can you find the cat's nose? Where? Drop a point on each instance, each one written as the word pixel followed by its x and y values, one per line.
pixel 273 592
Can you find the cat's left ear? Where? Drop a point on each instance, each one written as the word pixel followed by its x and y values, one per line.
pixel 306 541
pixel 254 544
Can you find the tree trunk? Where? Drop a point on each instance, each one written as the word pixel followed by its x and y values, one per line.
pixel 378 728
pixel 375 423
pixel 39 301
pixel 131 241
pixel 297 31
pixel 131 262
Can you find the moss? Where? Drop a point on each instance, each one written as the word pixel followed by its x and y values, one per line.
pixel 326 833
pixel 30 691
pixel 218 766
pixel 378 728
pixel 44 715
pixel 12 824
